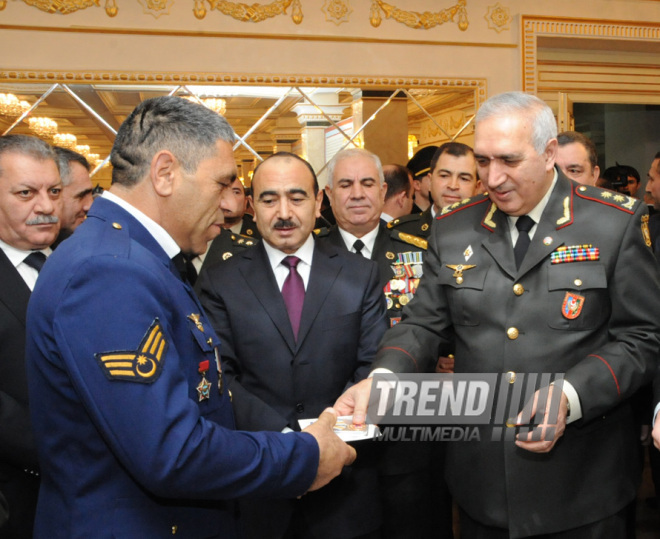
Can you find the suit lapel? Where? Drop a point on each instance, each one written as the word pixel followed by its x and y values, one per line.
pixel 14 293
pixel 325 268
pixel 261 280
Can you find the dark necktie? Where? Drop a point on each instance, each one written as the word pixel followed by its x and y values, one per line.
pixel 293 293
pixel 358 246
pixel 524 224
pixel 35 260
pixel 185 267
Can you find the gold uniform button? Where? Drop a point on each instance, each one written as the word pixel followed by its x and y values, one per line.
pixel 512 333
pixel 175 529
pixel 518 289
pixel 116 226
pixel 512 376
pixel 578 282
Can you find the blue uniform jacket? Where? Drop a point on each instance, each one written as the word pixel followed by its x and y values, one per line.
pixel 116 342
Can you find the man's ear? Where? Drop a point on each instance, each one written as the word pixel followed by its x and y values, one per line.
pixel 164 167
pixel 551 153
pixel 318 203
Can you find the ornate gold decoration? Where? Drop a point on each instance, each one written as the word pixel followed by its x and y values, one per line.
pixel 61 6
pixel 156 7
pixel 498 17
pixel 255 12
pixel 3 4
pixel 337 11
pixel 111 8
pixel 417 20
pixel 449 123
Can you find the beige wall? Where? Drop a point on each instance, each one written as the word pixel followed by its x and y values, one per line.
pixel 177 42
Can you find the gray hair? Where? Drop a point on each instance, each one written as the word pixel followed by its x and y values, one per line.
pixel 354 152
pixel 66 156
pixel 29 146
pixel 188 130
pixel 544 125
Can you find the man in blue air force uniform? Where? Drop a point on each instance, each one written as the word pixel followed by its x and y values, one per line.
pixel 133 424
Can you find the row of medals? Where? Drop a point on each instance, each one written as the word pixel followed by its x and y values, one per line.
pixel 405 281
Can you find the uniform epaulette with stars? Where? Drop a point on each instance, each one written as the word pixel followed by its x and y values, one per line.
pixel 465 203
pixel 616 200
pixel 244 241
pixel 418 242
pixel 321 232
pixel 404 219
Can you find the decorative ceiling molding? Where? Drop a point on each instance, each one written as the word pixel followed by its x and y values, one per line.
pixel 478 85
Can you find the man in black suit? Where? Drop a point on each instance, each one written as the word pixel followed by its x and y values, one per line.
pixel 30 201
pixel 286 359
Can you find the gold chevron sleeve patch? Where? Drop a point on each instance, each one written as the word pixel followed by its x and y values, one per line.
pixel 142 365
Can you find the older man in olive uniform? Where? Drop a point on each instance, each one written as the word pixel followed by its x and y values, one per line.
pixel 535 278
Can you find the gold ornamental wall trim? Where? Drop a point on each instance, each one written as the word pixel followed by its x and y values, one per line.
pixel 63 7
pixel 417 20
pixel 251 12
pixel 246 35
pixel 478 85
pixel 533 27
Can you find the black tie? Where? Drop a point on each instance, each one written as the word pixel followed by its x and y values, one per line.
pixel 524 224
pixel 358 246
pixel 186 268
pixel 35 260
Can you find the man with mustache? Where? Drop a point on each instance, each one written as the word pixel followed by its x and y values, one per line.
pixel 300 322
pixel 30 199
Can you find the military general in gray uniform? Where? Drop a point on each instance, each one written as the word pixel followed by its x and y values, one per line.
pixel 563 301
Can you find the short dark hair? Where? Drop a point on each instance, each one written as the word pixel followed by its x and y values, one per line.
pixel 397 178
pixel 66 156
pixel 27 145
pixel 189 130
pixel 657 156
pixel 611 174
pixel 570 137
pixel 457 149
pixel 290 156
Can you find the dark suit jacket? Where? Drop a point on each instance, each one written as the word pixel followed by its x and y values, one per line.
pixel 276 380
pixel 607 351
pixel 17 448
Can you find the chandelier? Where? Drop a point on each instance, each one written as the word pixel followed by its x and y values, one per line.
pixel 65 140
pixel 216 104
pixel 82 149
pixel 43 127
pixel 10 105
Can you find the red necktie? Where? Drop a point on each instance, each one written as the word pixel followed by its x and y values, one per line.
pixel 293 293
